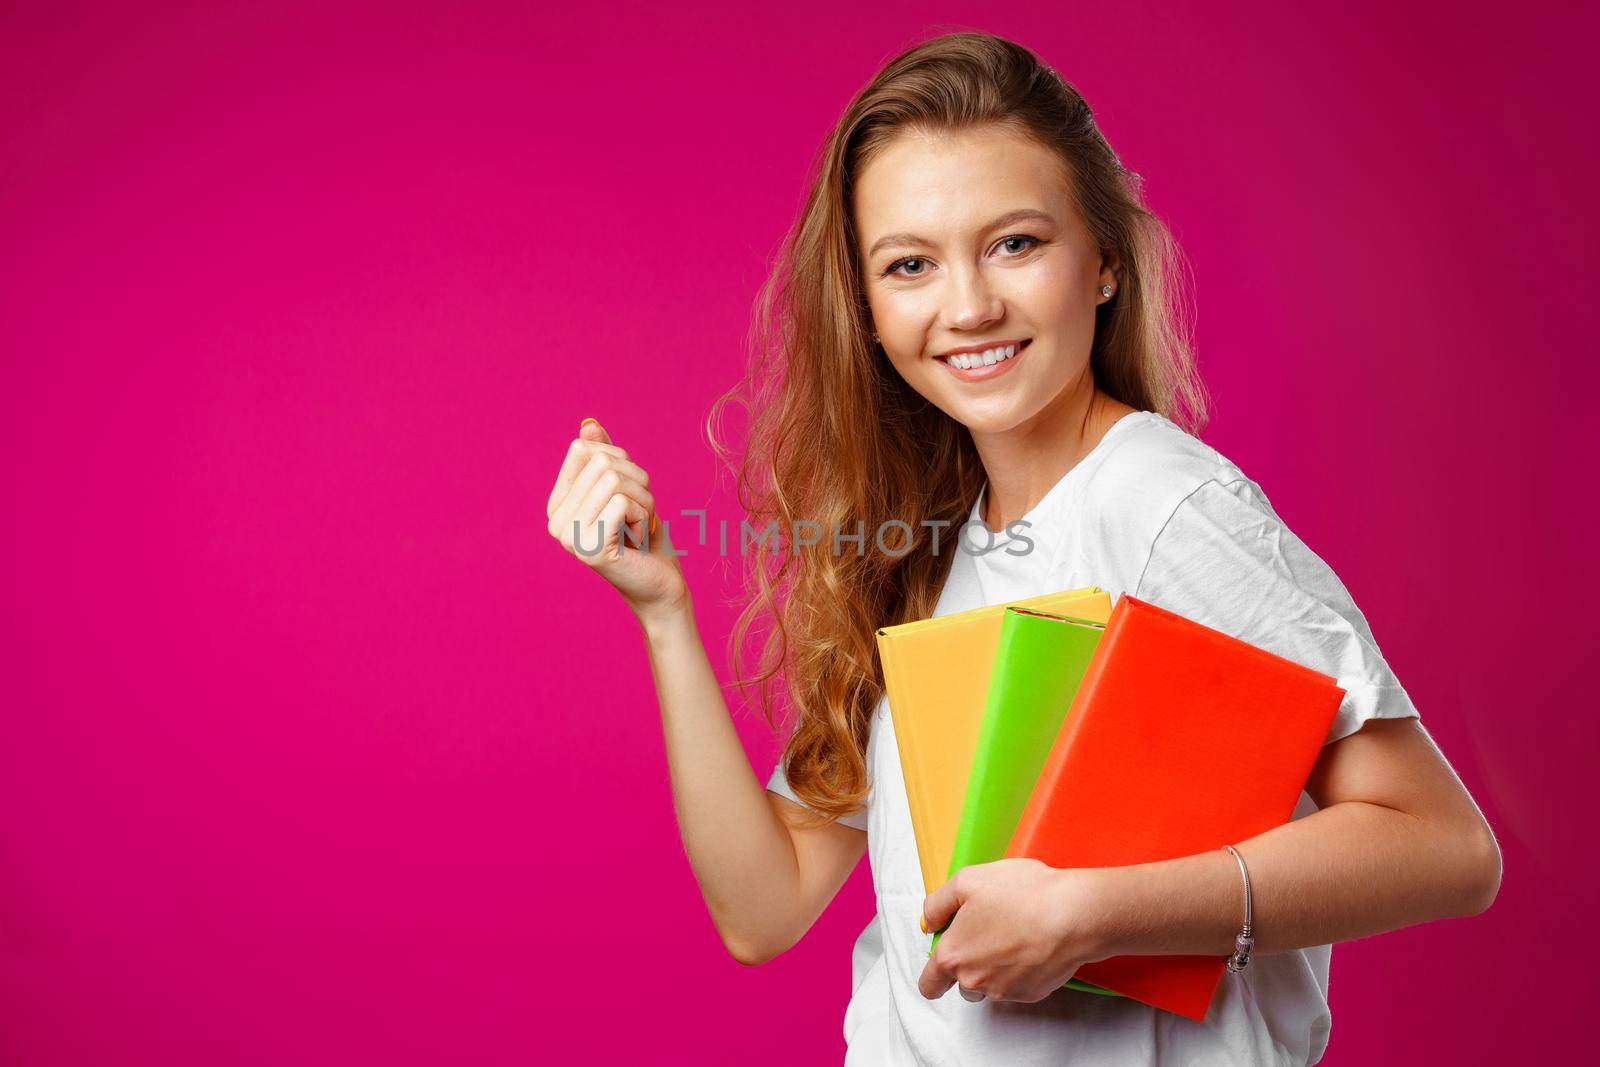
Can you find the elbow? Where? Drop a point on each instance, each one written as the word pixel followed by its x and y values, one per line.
pixel 748 947
pixel 1486 869
pixel 748 953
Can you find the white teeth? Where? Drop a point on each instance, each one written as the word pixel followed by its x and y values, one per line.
pixel 969 360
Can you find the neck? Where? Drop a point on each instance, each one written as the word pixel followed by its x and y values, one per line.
pixel 1023 463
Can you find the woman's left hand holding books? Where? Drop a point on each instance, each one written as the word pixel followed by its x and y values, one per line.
pixel 1018 929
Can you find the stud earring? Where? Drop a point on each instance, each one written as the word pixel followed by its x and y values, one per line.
pixel 1105 290
pixel 875 339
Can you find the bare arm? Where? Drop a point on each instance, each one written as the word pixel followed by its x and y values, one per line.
pixel 1397 841
pixel 764 878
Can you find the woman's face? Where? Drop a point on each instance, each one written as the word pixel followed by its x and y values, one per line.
pixel 973 239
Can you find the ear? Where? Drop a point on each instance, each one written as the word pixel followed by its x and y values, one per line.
pixel 1109 265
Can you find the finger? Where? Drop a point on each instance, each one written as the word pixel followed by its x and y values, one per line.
pixel 941 906
pixel 564 515
pixel 599 538
pixel 936 979
pixel 610 483
pixel 591 430
pixel 592 439
pixel 612 495
pixel 592 434
pixel 571 506
pixel 580 454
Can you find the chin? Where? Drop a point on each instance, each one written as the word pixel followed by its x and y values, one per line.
pixel 988 419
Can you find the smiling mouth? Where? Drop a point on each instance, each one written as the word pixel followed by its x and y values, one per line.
pixel 972 366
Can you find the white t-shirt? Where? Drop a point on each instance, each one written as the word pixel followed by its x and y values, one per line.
pixel 1155 512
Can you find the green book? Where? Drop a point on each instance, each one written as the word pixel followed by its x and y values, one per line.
pixel 1040 660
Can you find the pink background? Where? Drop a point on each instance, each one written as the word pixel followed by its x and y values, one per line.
pixel 315 749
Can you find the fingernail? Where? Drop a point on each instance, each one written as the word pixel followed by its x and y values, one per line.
pixel 652 522
pixel 586 422
pixel 922 921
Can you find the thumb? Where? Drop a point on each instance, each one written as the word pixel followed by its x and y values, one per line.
pixel 941 906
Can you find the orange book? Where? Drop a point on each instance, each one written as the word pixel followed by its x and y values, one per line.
pixel 936 674
pixel 1181 739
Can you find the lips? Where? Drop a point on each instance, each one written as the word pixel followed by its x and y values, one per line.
pixel 985 372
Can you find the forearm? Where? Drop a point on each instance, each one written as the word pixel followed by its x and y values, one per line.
pixel 1347 871
pixel 740 851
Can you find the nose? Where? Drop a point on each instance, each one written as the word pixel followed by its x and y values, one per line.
pixel 971 302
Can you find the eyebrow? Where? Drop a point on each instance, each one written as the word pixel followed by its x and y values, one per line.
pixel 1026 214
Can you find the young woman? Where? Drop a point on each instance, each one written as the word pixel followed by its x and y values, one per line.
pixel 973 330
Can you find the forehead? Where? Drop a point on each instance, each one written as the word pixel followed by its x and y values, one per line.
pixel 941 185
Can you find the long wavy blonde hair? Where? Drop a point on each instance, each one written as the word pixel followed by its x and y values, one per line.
pixel 836 437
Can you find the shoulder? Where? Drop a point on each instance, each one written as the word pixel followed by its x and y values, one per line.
pixel 1144 469
pixel 1225 559
pixel 1149 468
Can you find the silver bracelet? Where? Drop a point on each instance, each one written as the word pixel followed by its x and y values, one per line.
pixel 1245 941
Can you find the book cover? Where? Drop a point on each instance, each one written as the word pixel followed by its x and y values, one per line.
pixel 936 674
pixel 1037 667
pixel 1181 739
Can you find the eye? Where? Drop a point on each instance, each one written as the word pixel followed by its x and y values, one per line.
pixel 1022 237
pixel 893 269
pixel 897 264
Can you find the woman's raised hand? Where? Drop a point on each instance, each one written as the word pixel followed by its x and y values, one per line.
pixel 602 512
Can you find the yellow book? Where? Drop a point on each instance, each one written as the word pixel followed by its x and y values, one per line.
pixel 936 672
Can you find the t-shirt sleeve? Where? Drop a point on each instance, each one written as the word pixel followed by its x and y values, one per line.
pixel 1225 560
pixel 779 784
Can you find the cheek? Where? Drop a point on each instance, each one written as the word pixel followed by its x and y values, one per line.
pixel 909 312
pixel 928 380
pixel 913 370
pixel 1055 289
